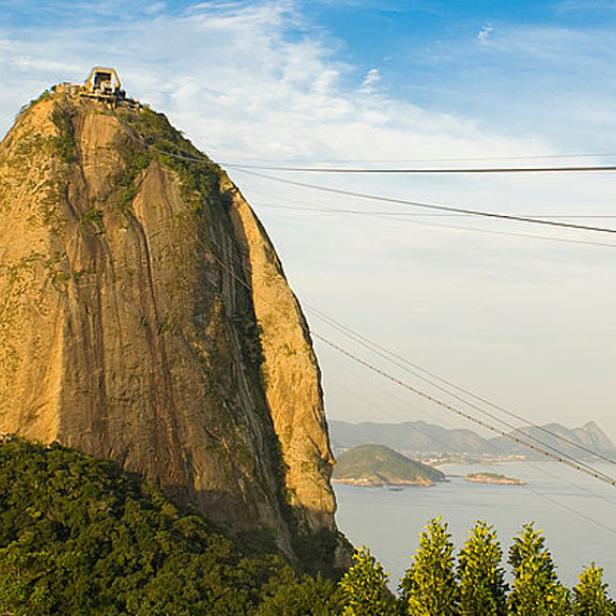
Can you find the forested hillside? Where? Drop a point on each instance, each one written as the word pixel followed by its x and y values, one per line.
pixel 82 536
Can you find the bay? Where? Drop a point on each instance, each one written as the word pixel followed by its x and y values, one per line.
pixel 576 513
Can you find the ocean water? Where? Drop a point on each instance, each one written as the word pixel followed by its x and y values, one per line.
pixel 576 513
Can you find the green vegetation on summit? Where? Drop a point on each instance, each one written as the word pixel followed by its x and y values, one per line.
pixel 376 465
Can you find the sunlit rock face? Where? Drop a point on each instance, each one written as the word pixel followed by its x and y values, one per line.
pixel 145 317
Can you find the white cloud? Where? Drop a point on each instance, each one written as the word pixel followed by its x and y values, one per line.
pixel 232 77
pixel 155 7
pixel 484 34
pixel 373 76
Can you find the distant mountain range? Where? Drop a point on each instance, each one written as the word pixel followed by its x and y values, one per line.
pixel 421 439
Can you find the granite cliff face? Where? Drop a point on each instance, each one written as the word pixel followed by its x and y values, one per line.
pixel 145 317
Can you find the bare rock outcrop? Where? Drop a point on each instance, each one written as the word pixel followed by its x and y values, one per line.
pixel 145 317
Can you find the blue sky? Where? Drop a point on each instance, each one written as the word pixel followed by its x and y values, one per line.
pixel 446 55
pixel 508 63
pixel 332 80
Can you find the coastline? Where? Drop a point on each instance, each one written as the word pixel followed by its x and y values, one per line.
pixel 381 483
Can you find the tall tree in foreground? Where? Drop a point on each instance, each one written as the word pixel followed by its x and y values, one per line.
pixel 536 589
pixel 482 585
pixel 364 588
pixel 590 594
pixel 429 587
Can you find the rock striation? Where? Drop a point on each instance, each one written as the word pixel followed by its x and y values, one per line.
pixel 145 317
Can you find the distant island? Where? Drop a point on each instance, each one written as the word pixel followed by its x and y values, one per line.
pixel 494 478
pixel 377 465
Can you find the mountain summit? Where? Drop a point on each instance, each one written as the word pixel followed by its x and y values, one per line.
pixel 145 317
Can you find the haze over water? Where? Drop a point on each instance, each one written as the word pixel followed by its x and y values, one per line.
pixel 389 522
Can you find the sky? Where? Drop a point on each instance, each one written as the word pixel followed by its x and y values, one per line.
pixel 528 322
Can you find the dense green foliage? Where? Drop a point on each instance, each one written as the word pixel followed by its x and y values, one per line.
pixel 482 579
pixel 364 588
pixel 380 464
pixel 590 594
pixel 81 536
pixel 310 596
pixel 429 586
pixel 536 590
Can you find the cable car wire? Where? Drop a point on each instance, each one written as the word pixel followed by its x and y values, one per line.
pixel 388 355
pixel 428 171
pixel 558 457
pixel 263 161
pixel 580 467
pixel 404 217
pixel 432 206
pixel 449 407
pixel 541 469
pixel 371 345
